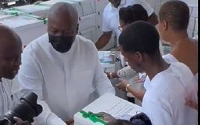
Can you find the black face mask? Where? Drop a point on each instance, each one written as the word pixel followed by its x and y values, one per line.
pixel 61 43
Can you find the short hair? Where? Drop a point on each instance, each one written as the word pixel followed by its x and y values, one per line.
pixel 140 36
pixel 176 13
pixel 133 13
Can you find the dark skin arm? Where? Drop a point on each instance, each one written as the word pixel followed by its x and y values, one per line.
pixel 103 40
pixel 153 19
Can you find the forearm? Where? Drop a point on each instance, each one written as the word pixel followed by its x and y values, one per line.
pixel 103 40
pixel 139 94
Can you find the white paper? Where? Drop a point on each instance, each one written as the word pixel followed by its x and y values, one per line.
pixel 117 107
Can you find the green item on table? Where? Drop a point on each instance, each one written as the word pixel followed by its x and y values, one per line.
pixel 93 117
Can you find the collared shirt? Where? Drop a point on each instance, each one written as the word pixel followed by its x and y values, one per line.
pixel 111 15
pixel 64 82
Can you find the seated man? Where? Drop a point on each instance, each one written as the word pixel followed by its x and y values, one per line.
pixel 10 60
pixel 63 68
pixel 169 84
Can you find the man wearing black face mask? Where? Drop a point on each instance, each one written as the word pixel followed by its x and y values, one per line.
pixel 63 68
pixel 61 43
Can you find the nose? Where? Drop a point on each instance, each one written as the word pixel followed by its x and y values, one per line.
pixel 17 62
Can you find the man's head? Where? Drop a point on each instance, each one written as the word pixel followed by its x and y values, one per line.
pixel 139 43
pixel 173 15
pixel 115 3
pixel 62 26
pixel 10 52
pixel 131 14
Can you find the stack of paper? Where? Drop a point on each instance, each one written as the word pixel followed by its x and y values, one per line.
pixel 111 104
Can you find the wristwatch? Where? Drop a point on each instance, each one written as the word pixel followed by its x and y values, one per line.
pixel 127 85
pixel 111 76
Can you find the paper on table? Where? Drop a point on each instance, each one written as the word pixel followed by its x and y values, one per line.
pixel 111 104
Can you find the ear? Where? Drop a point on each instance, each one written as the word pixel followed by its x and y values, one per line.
pixel 139 56
pixel 165 25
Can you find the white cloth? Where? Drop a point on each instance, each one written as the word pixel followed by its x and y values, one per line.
pixel 64 82
pixel 111 15
pixel 7 95
pixel 164 99
pixel 169 58
pixel 196 37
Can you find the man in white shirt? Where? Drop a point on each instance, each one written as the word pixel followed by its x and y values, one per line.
pixel 10 60
pixel 173 23
pixel 111 19
pixel 63 68
pixel 170 84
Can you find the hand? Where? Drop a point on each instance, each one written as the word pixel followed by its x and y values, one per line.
pixel 192 104
pixel 70 122
pixel 122 85
pixel 111 75
pixel 108 74
pixel 141 78
pixel 107 117
pixel 20 122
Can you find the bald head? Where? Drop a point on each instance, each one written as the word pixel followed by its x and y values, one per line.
pixel 176 13
pixel 63 10
pixel 10 52
pixel 62 19
pixel 8 38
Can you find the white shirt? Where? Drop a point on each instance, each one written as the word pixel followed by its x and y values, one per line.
pixel 7 95
pixel 170 59
pixel 196 37
pixel 164 99
pixel 111 14
pixel 64 82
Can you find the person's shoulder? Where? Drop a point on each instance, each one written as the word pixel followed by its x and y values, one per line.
pixel 37 43
pixel 169 58
pixel 84 41
pixel 181 70
pixel 107 9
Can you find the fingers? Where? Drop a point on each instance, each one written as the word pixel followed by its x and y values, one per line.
pixel 192 104
pixel 20 121
pixel 69 122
